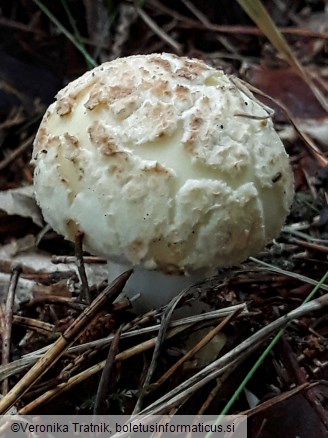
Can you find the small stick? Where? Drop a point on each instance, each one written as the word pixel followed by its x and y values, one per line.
pixel 211 396
pixel 217 367
pixel 85 291
pixel 53 299
pixel 60 346
pixel 16 153
pixel 83 375
pixel 252 30
pixel 158 30
pixel 309 245
pixel 278 399
pixel 166 318
pixel 215 391
pixel 210 335
pixel 8 322
pixel 107 380
pixel 72 259
pixel 33 324
pixel 30 358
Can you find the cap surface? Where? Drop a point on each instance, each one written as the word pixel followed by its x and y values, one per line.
pixel 163 162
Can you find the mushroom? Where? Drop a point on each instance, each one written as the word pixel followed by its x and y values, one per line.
pixel 165 164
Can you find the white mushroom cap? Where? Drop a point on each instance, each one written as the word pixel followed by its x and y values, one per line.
pixel 162 162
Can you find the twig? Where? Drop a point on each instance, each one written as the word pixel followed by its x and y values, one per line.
pixel 214 392
pixel 158 31
pixel 212 395
pixel 210 335
pixel 126 17
pixel 16 153
pixel 71 259
pixel 63 387
pixel 54 299
pixel 13 24
pixel 160 339
pixel 295 232
pixel 8 321
pixel 85 292
pixel 206 22
pixel 33 324
pixel 278 399
pixel 189 23
pixel 309 245
pixel 14 118
pixel 251 30
pixel 59 347
pixel 218 366
pixel 30 358
pixel 299 277
pixel 177 400
pixel 107 380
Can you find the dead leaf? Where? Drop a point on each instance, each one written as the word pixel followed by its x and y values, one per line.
pixel 21 202
pixel 288 418
pixel 285 85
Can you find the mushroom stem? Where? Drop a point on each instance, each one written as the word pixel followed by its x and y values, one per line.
pixel 153 289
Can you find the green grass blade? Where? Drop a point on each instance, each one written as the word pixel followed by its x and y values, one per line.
pixel 90 61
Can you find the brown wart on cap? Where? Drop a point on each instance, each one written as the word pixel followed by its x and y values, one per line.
pixel 171 178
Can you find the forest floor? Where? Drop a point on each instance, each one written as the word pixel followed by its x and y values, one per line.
pixel 275 373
